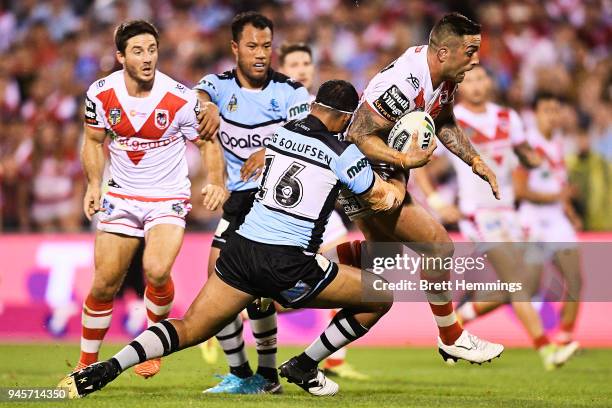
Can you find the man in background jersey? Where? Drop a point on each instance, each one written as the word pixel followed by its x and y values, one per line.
pixel 423 78
pixel 546 212
pixel 253 100
pixel 148 117
pixel 274 253
pixel 295 61
pixel 498 134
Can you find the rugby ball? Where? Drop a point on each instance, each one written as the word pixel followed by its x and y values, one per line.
pixel 400 135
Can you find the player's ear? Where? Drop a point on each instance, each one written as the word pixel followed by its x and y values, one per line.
pixel 443 53
pixel 234 45
pixel 120 57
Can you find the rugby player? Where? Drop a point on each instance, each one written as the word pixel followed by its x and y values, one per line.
pixel 149 117
pixel 253 100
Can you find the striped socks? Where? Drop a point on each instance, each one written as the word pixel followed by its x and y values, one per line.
pixel 158 301
pixel 232 343
pixel 263 325
pixel 441 306
pixel 342 330
pixel 158 340
pixel 96 319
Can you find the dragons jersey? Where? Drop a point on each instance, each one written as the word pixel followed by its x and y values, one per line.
pixel 405 86
pixel 494 133
pixel 148 135
pixel 249 117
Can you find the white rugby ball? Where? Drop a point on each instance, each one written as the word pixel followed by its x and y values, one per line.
pixel 421 122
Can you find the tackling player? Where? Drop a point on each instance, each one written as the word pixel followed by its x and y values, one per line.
pixel 296 62
pixel 499 135
pixel 274 253
pixel 423 78
pixel 148 117
pixel 253 101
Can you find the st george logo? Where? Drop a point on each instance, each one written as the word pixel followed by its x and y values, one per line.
pixel 114 116
pixel 162 118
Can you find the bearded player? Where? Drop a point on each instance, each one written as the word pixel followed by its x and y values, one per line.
pixel 149 117
pixel 499 134
pixel 423 78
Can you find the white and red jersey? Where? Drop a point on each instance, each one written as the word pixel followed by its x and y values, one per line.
pixel 148 135
pixel 405 86
pixel 493 133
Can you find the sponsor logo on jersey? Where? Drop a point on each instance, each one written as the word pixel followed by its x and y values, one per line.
pixel 180 88
pixel 100 83
pixel 357 167
pixel 232 106
pixel 298 110
pixel 206 83
pixel 392 104
pixel 90 112
pixel 244 142
pixel 114 116
pixel 140 114
pixel 274 105
pixel 162 118
pixel 414 81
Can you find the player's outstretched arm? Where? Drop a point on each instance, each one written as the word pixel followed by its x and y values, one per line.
pixel 451 135
pixel 92 159
pixel 214 192
pixel 384 196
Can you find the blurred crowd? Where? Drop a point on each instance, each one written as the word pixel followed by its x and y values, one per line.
pixel 50 51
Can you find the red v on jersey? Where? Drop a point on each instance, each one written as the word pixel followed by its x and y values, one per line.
pixel 156 125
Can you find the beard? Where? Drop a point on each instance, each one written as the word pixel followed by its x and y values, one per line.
pixel 142 83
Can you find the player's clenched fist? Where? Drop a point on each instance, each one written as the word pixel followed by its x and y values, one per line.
pixel 252 168
pixel 208 119
pixel 91 202
pixel 213 196
pixel 415 156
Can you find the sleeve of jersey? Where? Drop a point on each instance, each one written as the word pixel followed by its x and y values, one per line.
pixel 188 117
pixel 210 85
pixel 354 170
pixel 298 104
pixel 94 114
pixel 517 129
pixel 389 95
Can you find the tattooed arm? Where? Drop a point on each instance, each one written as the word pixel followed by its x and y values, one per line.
pixel 369 131
pixel 451 135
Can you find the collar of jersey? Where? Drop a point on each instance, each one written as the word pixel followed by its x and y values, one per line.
pixel 268 79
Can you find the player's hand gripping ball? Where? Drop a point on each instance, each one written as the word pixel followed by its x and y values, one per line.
pixel 419 122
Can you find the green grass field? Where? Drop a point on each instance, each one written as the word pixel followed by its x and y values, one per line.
pixel 401 377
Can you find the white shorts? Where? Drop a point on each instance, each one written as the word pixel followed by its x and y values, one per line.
pixel 44 212
pixel 490 226
pixel 135 217
pixel 547 225
pixel 334 229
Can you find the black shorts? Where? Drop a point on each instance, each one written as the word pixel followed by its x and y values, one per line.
pixel 283 273
pixel 235 210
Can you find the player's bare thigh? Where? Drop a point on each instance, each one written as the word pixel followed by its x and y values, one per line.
pixel 212 259
pixel 113 254
pixel 162 245
pixel 410 224
pixel 353 289
pixel 212 309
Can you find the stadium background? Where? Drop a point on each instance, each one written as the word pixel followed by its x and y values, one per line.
pixel 50 51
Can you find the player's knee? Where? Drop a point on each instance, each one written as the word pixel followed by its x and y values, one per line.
pixel 105 289
pixel 440 246
pixel 157 274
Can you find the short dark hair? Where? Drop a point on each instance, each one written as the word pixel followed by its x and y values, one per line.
pixel 545 95
pixel 288 48
pixel 452 25
pixel 130 29
pixel 253 18
pixel 338 94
